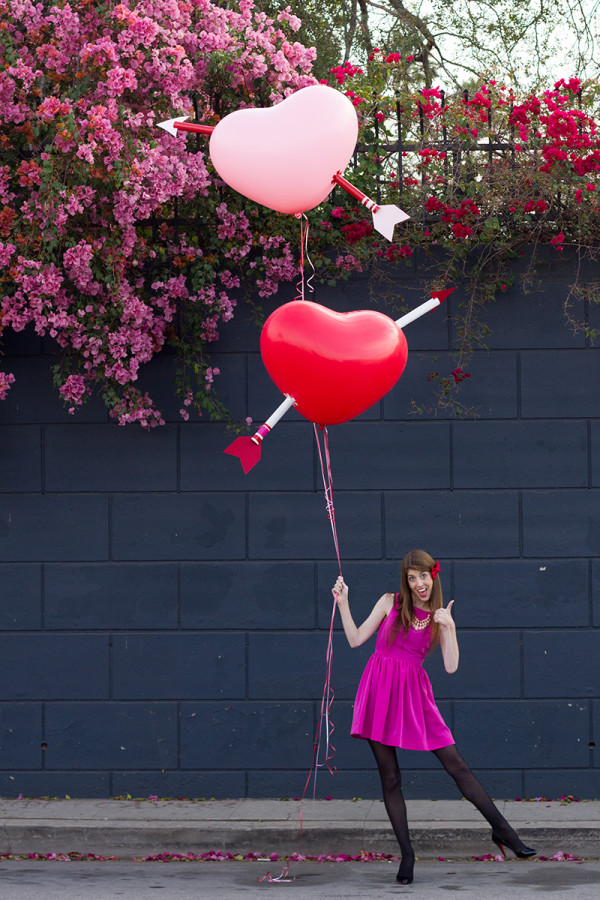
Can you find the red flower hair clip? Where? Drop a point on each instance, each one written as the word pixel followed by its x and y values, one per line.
pixel 436 569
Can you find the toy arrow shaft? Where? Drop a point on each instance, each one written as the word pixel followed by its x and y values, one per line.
pixel 418 312
pixel 436 299
pixel 338 178
pixel 273 420
pixel 247 449
pixel 194 126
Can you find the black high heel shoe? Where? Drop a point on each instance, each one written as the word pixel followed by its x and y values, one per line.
pixel 405 872
pixel 525 853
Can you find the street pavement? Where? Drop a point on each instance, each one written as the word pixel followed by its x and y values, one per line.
pixel 445 835
pixel 518 880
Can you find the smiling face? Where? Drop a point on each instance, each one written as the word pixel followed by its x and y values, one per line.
pixel 420 584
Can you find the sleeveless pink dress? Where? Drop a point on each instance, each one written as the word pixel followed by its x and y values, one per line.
pixel 394 703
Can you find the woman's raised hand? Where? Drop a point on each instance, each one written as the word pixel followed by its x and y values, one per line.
pixel 444 616
pixel 340 591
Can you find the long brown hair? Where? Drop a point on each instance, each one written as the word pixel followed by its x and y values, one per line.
pixel 403 608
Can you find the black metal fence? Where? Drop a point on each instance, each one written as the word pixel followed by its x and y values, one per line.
pixel 456 152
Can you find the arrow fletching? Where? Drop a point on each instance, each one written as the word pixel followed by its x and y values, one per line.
pixel 385 217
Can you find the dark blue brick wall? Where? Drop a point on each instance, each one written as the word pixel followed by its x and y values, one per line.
pixel 20 596
pixel 110 595
pixel 540 734
pixel 248 595
pixel 178 666
pixel 53 527
pixel 178 526
pixel 54 666
pixel 113 735
pixel 164 618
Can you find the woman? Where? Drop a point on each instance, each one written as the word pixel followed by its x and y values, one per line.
pixel 394 704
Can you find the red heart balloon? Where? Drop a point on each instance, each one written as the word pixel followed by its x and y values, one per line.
pixel 335 365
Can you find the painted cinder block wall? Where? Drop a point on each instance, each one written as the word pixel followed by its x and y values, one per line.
pixel 164 618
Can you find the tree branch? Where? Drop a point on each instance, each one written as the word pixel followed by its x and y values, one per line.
pixel 364 25
pixel 350 28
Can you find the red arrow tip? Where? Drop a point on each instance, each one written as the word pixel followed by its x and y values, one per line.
pixel 442 295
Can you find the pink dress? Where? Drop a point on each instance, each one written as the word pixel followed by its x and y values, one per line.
pixel 394 703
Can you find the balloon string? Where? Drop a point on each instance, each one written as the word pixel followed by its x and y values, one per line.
pixel 328 694
pixel 328 485
pixel 279 879
pixel 300 285
pixel 309 281
pixel 325 727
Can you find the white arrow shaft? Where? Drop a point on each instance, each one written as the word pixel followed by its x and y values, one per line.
pixel 418 312
pixel 280 412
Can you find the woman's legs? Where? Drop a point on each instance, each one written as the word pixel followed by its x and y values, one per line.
pixel 472 789
pixel 391 782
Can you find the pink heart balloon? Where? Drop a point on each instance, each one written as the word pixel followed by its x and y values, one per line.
pixel 285 157
pixel 335 365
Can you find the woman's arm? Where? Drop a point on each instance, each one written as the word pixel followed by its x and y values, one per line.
pixel 358 635
pixel 448 641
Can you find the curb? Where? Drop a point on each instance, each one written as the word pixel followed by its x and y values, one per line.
pixel 136 840
pixel 138 828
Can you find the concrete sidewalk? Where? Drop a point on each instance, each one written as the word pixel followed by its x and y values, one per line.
pixel 127 828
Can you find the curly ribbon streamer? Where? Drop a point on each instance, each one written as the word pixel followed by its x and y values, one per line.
pixel 279 879
pixel 325 728
pixel 300 286
pixel 325 725
pixel 328 695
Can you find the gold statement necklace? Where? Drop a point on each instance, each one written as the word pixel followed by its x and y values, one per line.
pixel 421 624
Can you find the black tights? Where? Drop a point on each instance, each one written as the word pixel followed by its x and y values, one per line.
pixel 468 785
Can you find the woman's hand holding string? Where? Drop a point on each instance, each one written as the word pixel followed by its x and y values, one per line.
pixel 357 636
pixel 340 592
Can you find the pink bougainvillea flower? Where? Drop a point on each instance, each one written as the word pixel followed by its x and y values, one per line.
pixel 90 252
